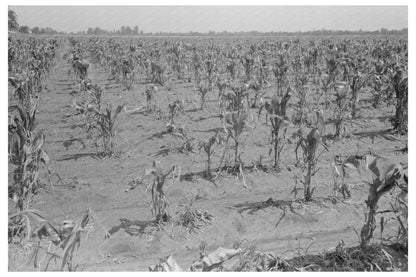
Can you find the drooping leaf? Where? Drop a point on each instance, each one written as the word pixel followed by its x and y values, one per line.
pixel 371 164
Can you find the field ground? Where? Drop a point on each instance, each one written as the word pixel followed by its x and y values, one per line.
pixel 101 184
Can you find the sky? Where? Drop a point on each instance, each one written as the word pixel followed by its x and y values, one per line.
pixel 215 18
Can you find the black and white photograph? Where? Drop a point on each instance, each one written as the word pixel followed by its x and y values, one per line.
pixel 224 137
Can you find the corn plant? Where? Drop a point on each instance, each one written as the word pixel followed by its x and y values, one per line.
pixel 301 82
pixel 177 62
pixel 20 129
pixel 207 146
pixel 57 242
pixel 26 175
pixel 221 85
pixel 197 68
pixel 234 124
pixel 160 204
pixel 174 108
pixel 127 71
pixel 231 67
pixel 210 63
pixel 150 92
pixel 309 143
pixel 384 180
pixel 29 157
pixel 26 152
pixel 400 85
pixel 157 73
pixel 340 166
pixel 80 68
pixel 95 94
pixel 341 108
pixel 326 86
pixel 400 210
pixel 248 63
pixel 104 121
pixel 202 90
pixel 331 62
pixel 276 111
pixel 235 119
pixel 23 89
pixel 257 86
pixel 357 81
pixel 280 71
pixel 26 182
pixel 237 99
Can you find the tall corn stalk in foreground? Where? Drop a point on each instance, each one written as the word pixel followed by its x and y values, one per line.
pixel 277 113
pixel 26 175
pixel 27 154
pixel 384 180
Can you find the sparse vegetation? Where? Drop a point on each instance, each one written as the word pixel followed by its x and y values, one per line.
pixel 323 98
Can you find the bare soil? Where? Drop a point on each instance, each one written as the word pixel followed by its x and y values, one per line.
pixel 101 184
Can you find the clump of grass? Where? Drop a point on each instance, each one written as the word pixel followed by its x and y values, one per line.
pixel 193 219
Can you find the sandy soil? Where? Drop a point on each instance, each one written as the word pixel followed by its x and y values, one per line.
pixel 100 184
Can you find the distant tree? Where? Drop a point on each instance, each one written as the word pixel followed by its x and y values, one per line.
pixel 129 31
pixel 123 30
pixel 97 31
pixel 90 31
pixel 136 30
pixel 384 30
pixel 24 29
pixel 48 31
pixel 35 30
pixel 13 25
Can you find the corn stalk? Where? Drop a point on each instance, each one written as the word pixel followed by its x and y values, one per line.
pixel 382 182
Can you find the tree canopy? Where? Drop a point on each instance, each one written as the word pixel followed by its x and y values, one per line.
pixel 13 25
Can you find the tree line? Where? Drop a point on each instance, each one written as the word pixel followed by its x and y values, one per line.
pixel 132 31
